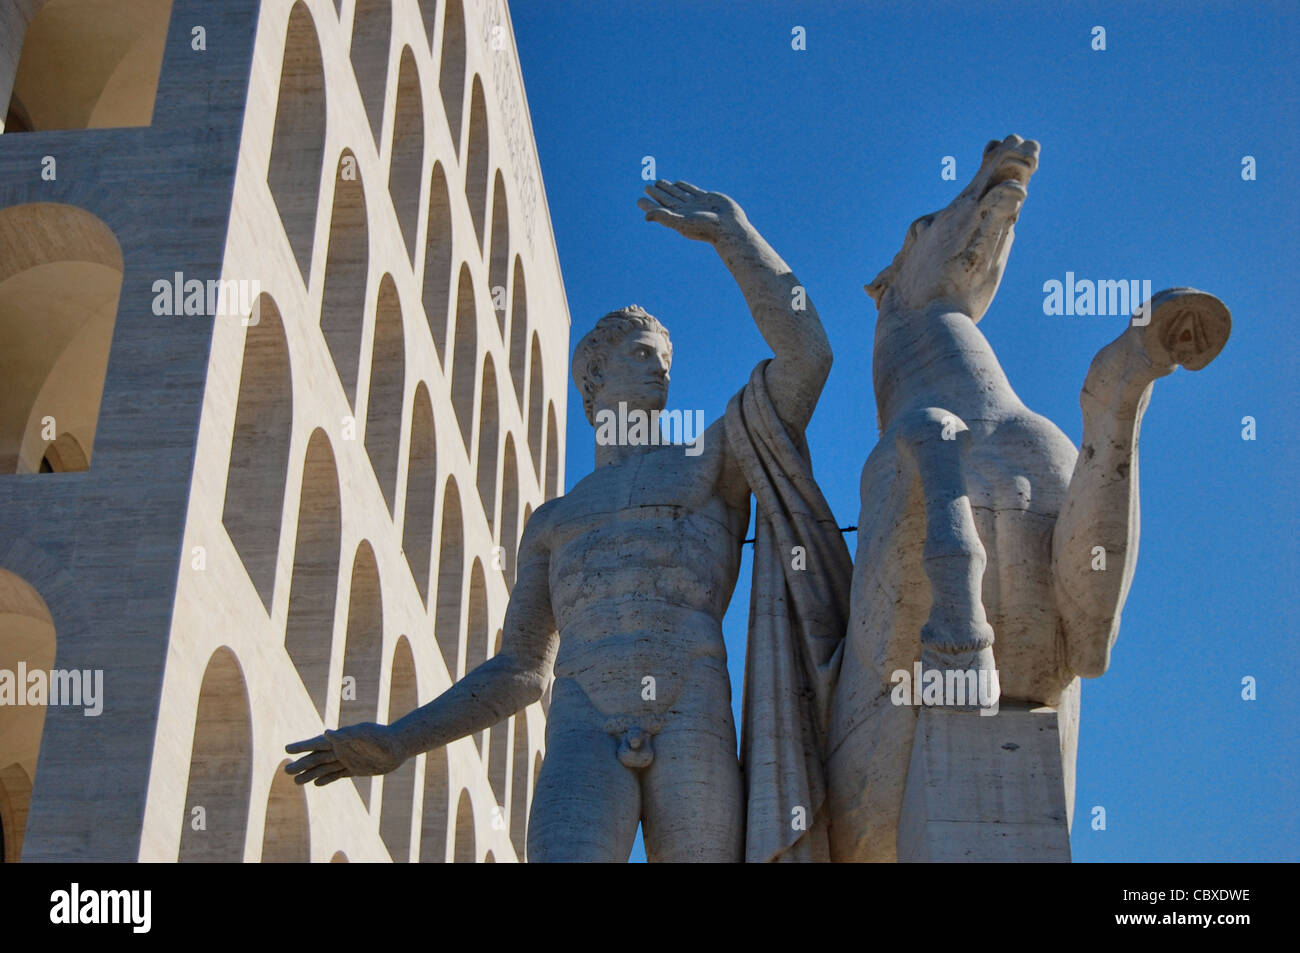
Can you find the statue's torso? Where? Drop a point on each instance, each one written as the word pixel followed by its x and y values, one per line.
pixel 644 556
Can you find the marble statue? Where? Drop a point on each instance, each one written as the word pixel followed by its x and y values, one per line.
pixel 621 588
pixel 982 529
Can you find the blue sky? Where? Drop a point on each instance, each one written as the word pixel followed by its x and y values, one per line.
pixel 834 150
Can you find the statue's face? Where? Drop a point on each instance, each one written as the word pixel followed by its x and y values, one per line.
pixel 635 371
pixel 957 255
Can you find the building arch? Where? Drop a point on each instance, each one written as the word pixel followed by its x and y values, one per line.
pixel 313 588
pixel 488 438
pixel 421 487
pixel 451 572
pixel 65 264
pixel 347 260
pixel 387 390
pixel 466 850
pixel 437 794
pixel 437 262
pixel 406 162
pixel 259 448
pixel 398 806
pixel 509 537
pixel 536 411
pixel 519 786
pixel 476 161
pixel 221 766
pixel 372 27
pixel 298 138
pixel 451 72
pixel 519 333
pixel 286 837
pixel 499 256
pixel 27 635
pixel 362 649
pixel 465 357
pixel 553 487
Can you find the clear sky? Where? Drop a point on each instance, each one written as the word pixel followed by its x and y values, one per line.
pixel 835 149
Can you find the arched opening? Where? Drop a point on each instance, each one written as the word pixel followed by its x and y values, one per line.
pixel 489 858
pixel 221 766
pixel 465 357
pixel 398 805
pixel 343 299
pixel 60 276
pixel 552 455
pixel 259 449
pixel 476 639
pixel 371 29
pixel 537 769
pixel 407 161
pixel 421 487
pixel 433 826
pixel 476 634
pixel 476 164
pixel 26 635
pixel 87 64
pixel 387 387
pixel 362 651
pixel 535 409
pixel 287 835
pixel 519 787
pixel 519 333
pixel 499 262
pixel 313 589
pixel 487 443
pixel 451 75
pixel 509 538
pixel 466 850
pixel 339 858
pixel 298 142
pixel 451 577
pixel 428 15
pixel 499 750
pixel 437 262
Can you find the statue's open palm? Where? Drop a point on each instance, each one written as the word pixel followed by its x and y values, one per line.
pixel 355 751
pixel 703 216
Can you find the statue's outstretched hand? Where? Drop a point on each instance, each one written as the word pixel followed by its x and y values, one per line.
pixel 354 751
pixel 703 216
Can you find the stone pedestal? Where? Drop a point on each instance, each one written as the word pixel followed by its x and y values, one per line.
pixel 985 788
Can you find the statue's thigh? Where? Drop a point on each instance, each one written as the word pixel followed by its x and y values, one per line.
pixel 693 801
pixel 586 805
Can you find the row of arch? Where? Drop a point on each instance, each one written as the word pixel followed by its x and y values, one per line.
pixel 218 790
pixel 299 136
pixel 259 455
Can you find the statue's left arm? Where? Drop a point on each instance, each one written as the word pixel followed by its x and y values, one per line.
pixel 781 308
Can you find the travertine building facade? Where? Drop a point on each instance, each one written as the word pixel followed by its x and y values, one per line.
pixel 283 357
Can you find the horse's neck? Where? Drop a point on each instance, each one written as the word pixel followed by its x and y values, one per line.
pixel 937 358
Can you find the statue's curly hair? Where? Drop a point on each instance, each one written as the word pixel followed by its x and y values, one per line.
pixel 610 329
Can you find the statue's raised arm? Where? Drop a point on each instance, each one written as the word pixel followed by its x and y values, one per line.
pixel 781 308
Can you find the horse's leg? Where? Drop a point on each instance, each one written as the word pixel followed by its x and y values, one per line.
pixel 957 636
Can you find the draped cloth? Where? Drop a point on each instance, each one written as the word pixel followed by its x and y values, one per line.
pixel 798 616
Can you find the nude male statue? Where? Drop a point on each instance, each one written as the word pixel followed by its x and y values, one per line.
pixel 625 578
